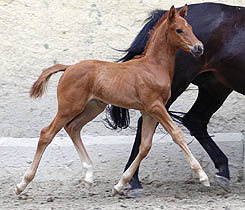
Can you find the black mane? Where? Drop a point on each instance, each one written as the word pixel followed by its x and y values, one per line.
pixel 139 43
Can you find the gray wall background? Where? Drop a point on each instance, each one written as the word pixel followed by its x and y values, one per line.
pixel 36 34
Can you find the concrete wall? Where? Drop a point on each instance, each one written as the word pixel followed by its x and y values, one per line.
pixel 36 34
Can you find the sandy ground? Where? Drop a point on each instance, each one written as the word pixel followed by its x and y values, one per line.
pixel 168 182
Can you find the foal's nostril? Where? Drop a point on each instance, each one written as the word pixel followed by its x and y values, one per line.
pixel 198 50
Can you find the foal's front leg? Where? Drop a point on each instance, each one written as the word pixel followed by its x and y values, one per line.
pixel 160 113
pixel 148 128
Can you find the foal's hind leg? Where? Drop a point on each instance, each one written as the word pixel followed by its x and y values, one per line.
pixel 46 136
pixel 160 113
pixel 148 128
pixel 63 116
pixel 73 128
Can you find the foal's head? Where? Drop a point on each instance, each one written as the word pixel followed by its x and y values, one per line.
pixel 180 32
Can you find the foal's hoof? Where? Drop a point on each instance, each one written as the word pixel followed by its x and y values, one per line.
pixel 114 191
pixel 87 184
pixel 205 183
pixel 18 190
pixel 135 193
pixel 223 182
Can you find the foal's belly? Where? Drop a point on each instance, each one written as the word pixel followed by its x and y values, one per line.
pixel 132 104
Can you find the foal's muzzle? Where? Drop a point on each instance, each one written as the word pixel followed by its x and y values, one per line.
pixel 197 50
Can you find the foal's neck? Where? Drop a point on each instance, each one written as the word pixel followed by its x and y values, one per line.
pixel 160 50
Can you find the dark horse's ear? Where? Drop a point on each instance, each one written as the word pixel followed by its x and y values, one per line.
pixel 171 13
pixel 183 11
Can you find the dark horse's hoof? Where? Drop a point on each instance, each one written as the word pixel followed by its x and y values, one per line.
pixel 135 193
pixel 136 190
pixel 223 182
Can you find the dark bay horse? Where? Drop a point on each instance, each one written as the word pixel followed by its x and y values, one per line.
pixel 85 89
pixel 221 28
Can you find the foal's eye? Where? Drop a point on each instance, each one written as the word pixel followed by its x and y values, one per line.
pixel 179 31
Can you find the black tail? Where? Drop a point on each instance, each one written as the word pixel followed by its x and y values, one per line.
pixel 177 116
pixel 118 117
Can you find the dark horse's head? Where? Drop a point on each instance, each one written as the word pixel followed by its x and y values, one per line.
pixel 181 34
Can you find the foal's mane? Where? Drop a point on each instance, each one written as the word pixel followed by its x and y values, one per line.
pixel 153 31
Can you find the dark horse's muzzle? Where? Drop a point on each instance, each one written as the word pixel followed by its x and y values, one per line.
pixel 197 50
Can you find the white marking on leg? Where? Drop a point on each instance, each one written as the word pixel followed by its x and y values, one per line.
pixel 27 178
pixel 89 172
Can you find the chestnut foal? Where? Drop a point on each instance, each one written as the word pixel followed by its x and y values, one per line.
pixel 87 87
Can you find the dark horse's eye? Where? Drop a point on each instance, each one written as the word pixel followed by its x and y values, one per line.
pixel 179 31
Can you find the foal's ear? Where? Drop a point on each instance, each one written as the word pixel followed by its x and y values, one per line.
pixel 183 11
pixel 172 13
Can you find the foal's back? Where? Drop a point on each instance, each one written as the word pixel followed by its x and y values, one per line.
pixel 101 80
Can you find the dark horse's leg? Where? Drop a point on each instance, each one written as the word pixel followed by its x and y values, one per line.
pixel 211 96
pixel 134 182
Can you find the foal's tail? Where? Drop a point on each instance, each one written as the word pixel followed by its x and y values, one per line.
pixel 39 86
